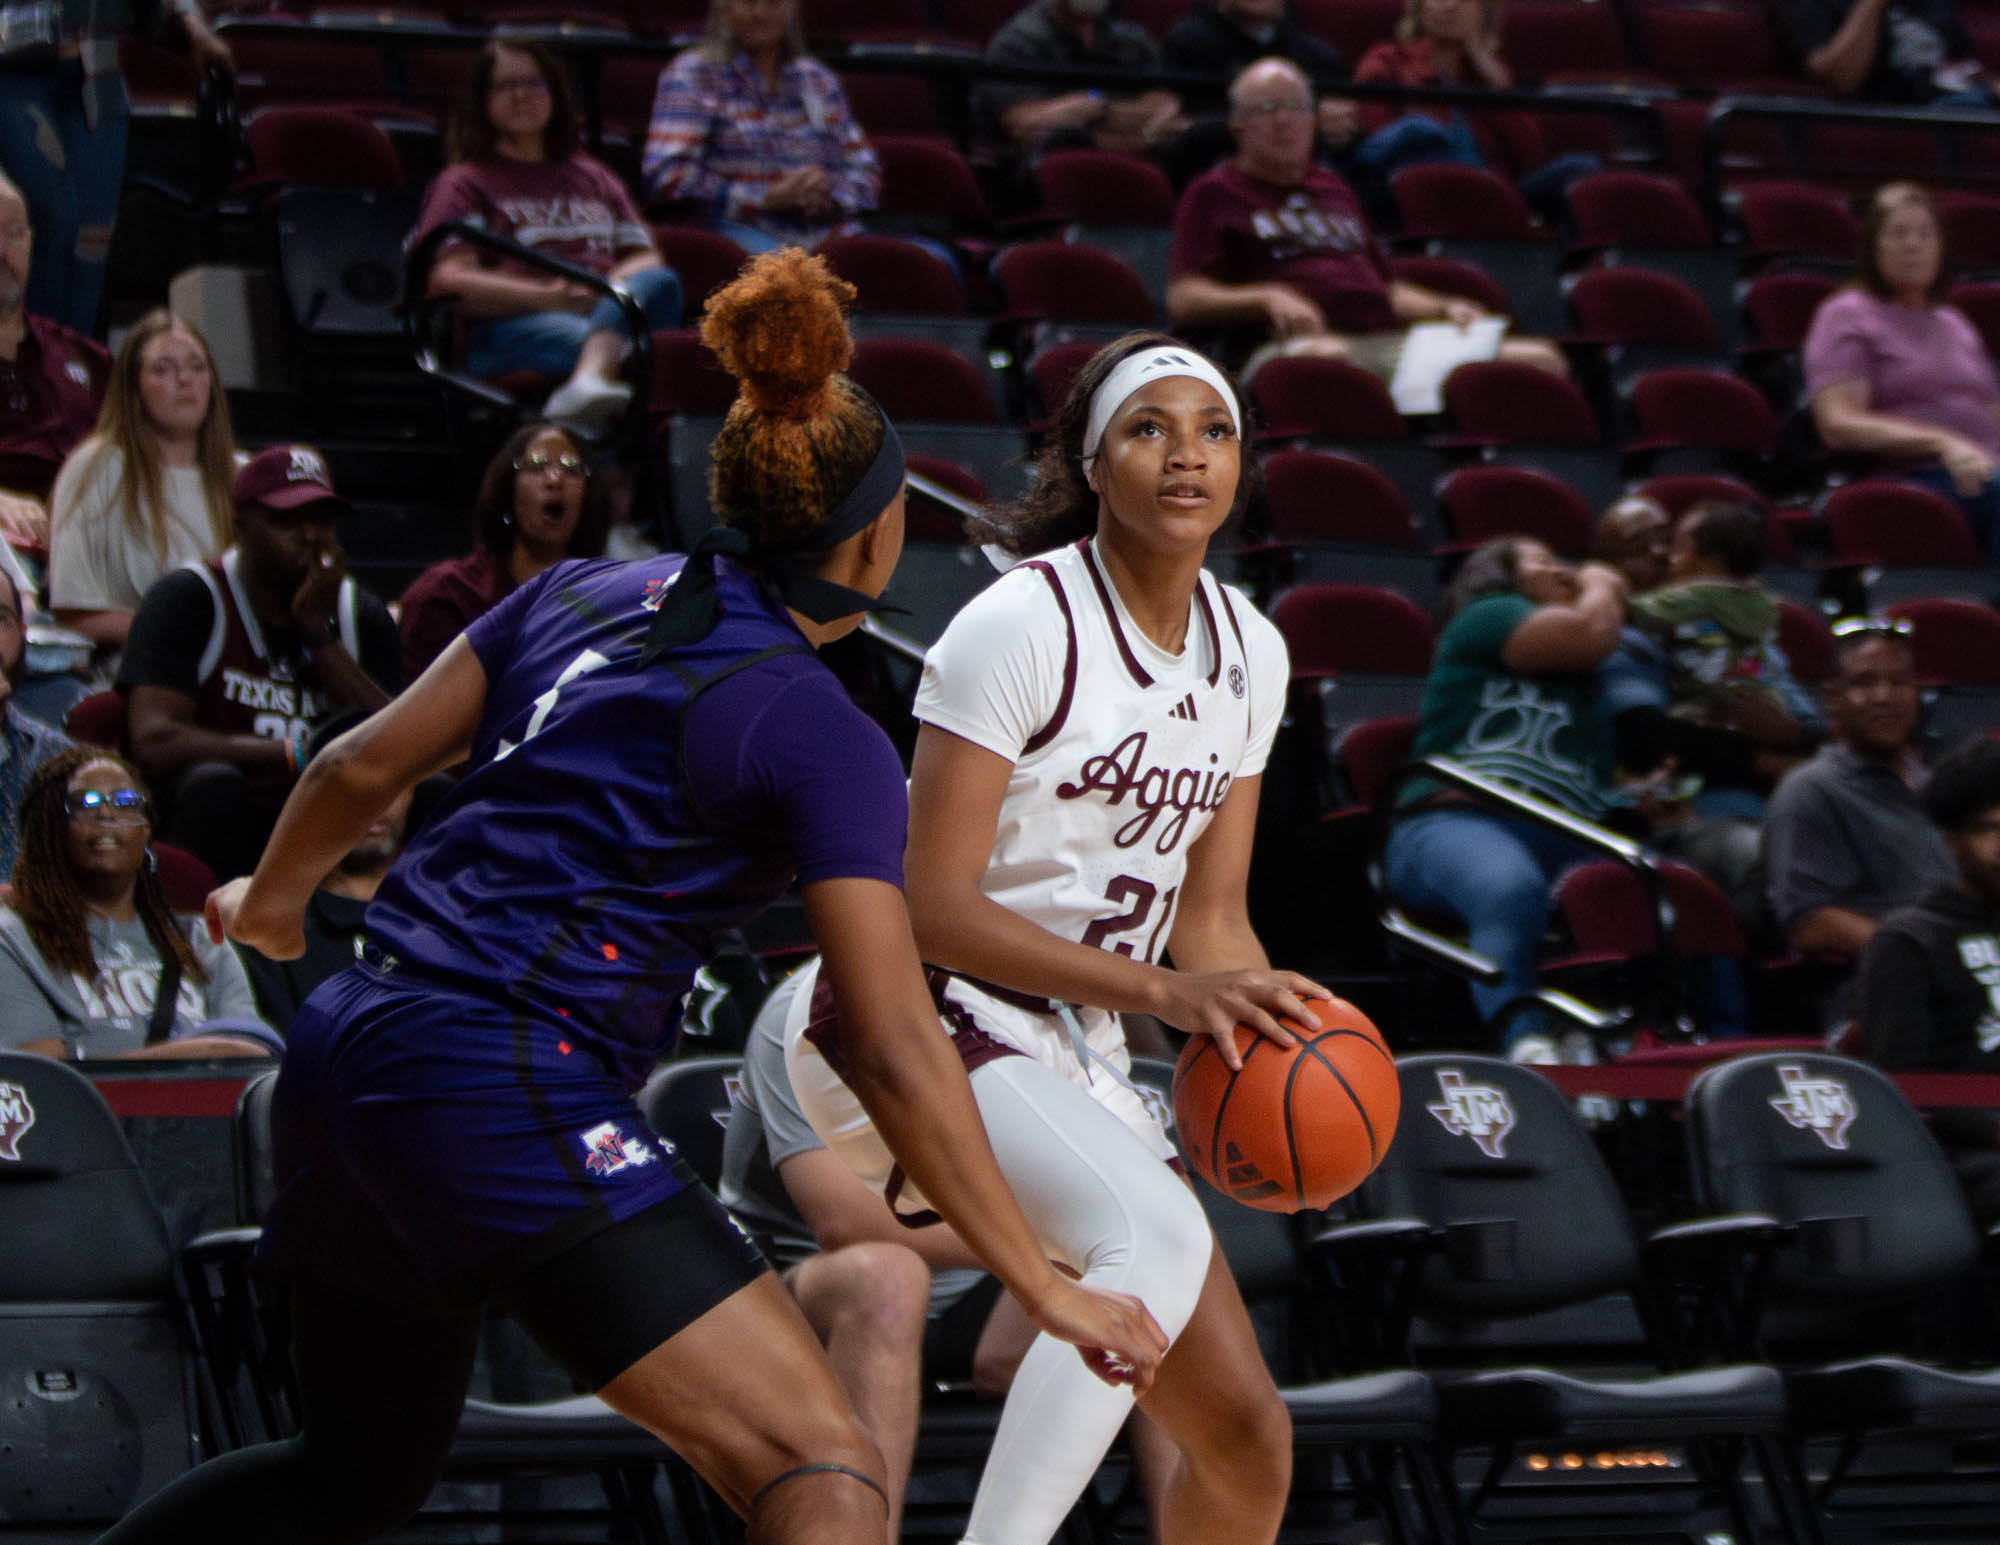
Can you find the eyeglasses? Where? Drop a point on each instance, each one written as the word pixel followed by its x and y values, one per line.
pixel 537 462
pixel 1889 627
pixel 1272 106
pixel 115 807
pixel 533 86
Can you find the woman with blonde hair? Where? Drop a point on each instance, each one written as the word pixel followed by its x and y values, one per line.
pixel 752 137
pixel 148 491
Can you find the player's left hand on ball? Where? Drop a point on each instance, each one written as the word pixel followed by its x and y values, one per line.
pixel 1215 1003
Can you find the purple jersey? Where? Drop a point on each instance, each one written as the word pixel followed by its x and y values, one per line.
pixel 605 831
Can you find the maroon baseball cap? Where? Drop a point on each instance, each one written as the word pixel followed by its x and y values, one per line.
pixel 285 477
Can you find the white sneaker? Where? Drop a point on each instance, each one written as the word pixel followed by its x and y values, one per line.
pixel 588 404
pixel 1579 1049
pixel 1534 1051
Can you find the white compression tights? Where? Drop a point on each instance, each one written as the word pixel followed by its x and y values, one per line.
pixel 1110 1209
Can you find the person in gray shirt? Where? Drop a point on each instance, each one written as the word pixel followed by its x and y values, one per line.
pixel 93 964
pixel 1846 838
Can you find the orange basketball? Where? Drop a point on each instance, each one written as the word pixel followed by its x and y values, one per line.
pixel 1297 1127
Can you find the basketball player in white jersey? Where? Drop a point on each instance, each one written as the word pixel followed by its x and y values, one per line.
pixel 1094 730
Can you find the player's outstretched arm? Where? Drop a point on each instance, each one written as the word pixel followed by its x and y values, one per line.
pixel 428 728
pixel 901 1065
pixel 956 791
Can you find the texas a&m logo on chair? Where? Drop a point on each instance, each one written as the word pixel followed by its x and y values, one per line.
pixel 1821 1105
pixel 1481 1112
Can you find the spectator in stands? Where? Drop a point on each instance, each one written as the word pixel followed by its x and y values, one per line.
pixel 752 137
pixel 1275 250
pixel 25 742
pixel 230 664
pixel 1511 695
pixel 1222 38
pixel 1889 50
pixel 1895 374
pixel 1846 839
pixel 1634 535
pixel 1928 986
pixel 1716 623
pixel 92 962
pixel 539 502
pixel 149 490
pixel 516 169
pixel 334 913
pixel 889 1302
pixel 52 380
pixel 1080 35
pixel 63 127
pixel 1456 43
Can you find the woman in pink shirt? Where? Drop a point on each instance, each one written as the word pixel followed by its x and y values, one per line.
pixel 1892 372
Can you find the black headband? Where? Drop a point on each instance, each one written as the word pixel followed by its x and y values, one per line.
pixel 689 611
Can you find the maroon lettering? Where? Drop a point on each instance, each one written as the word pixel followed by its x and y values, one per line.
pixel 1120 772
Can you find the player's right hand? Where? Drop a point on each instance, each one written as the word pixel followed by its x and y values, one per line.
pixel 223 912
pixel 1113 1333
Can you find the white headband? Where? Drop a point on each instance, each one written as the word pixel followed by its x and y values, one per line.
pixel 1133 372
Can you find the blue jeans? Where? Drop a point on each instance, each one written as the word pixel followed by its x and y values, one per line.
pixel 69 174
pixel 547 342
pixel 1494 873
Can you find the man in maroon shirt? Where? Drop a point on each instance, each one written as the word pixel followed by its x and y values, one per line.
pixel 51 385
pixel 1274 251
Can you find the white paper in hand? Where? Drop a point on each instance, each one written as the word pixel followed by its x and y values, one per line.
pixel 1432 351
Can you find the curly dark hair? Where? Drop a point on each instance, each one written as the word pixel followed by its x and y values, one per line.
pixel 46 893
pixel 493 508
pixel 468 134
pixel 799 435
pixel 1059 506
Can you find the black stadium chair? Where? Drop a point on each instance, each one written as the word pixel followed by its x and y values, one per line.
pixel 101 1393
pixel 1494 1248
pixel 1852 1245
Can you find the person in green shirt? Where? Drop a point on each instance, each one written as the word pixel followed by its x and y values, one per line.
pixel 1510 697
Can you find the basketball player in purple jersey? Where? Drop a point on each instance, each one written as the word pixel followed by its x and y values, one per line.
pixel 1094 730
pixel 652 754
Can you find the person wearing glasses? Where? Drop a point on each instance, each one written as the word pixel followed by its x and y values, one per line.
pixel 1273 255
pixel 229 663
pixel 93 963
pixel 517 171
pixel 1846 837
pixel 539 502
pixel 149 491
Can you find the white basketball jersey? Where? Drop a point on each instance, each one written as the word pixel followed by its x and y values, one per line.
pixel 1122 752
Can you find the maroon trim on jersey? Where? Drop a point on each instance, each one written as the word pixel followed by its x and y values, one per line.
pixel 1049 731
pixel 1132 665
pixel 1214 633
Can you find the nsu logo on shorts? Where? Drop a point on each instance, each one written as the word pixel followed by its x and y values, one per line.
pixel 1823 1106
pixel 1481 1112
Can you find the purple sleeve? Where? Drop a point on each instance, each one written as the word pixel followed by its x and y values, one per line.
pixel 493 636
pixel 808 759
pixel 1837 345
pixel 453 195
